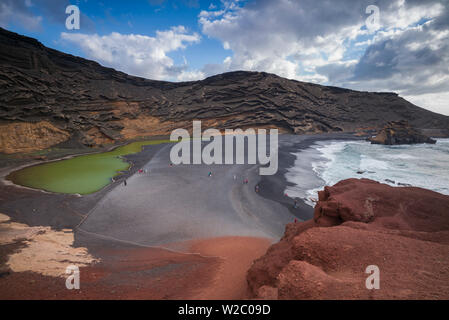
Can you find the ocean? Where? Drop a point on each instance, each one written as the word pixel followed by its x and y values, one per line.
pixel 327 162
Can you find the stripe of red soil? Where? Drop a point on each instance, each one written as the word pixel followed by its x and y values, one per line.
pixel 150 273
pixel 236 257
pixel 142 273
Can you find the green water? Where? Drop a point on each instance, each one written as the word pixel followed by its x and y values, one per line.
pixel 83 174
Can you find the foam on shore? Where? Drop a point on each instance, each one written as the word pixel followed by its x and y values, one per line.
pixel 421 165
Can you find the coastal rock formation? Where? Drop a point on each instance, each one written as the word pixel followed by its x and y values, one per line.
pixel 400 132
pixel 404 231
pixel 97 105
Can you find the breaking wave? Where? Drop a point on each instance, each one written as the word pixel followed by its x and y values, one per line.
pixel 420 165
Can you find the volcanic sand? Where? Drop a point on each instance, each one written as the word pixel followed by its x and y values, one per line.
pixel 144 234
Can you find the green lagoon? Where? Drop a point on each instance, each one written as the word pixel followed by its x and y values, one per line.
pixel 82 174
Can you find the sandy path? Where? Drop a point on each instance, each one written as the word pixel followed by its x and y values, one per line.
pixel 236 256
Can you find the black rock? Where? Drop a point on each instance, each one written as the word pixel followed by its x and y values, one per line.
pixel 400 132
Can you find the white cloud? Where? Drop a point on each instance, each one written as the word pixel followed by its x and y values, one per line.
pixel 138 55
pixel 283 36
pixel 327 42
pixel 436 102
pixel 402 14
pixel 17 12
pixel 190 75
pixel 318 41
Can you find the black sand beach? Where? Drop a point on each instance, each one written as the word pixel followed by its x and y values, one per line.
pixel 272 187
pixel 185 202
pixel 170 210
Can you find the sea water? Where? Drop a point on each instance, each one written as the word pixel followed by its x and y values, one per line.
pixel 328 162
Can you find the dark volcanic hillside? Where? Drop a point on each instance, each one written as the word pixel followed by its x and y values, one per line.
pixel 48 97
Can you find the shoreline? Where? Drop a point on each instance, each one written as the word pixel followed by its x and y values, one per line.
pixel 19 211
pixel 211 265
pixel 397 165
pixel 273 187
pixel 260 216
pixel 288 161
pixel 8 170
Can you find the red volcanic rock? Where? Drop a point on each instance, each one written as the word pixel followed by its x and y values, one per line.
pixel 402 230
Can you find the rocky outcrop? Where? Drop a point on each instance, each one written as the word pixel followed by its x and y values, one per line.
pixel 98 105
pixel 404 231
pixel 400 132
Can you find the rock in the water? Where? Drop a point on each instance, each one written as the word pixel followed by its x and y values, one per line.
pixel 404 184
pixel 359 223
pixel 400 132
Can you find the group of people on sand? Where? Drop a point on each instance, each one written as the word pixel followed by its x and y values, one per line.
pixel 209 174
pixel 245 181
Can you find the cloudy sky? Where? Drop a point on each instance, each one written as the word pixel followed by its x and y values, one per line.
pixel 384 45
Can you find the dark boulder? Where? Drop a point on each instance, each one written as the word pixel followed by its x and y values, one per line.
pixel 400 132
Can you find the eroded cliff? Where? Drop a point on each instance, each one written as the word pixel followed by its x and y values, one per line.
pixel 404 231
pixel 98 105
